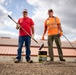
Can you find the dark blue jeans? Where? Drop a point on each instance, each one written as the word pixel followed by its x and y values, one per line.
pixel 21 41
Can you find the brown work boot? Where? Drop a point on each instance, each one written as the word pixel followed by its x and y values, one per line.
pixel 62 60
pixel 29 61
pixel 17 61
pixel 51 59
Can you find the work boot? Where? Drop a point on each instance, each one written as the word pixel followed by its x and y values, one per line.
pixel 29 61
pixel 51 59
pixel 62 60
pixel 17 61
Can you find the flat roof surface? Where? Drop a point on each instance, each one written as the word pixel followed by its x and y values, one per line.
pixel 10 50
pixel 14 42
pixel 9 46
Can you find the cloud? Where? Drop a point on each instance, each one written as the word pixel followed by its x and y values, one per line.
pixel 64 9
pixel 8 34
pixel 2 1
pixel 3 15
pixel 5 22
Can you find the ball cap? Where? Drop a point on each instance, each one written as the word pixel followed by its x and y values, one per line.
pixel 50 10
pixel 25 10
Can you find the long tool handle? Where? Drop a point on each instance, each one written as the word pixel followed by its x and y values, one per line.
pixel 69 43
pixel 22 28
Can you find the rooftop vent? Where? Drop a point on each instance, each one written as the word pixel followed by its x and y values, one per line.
pixel 6 37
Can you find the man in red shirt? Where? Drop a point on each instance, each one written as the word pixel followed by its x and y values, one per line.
pixel 27 24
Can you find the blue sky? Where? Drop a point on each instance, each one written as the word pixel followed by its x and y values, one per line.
pixel 64 9
pixel 17 6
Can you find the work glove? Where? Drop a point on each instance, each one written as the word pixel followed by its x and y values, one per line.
pixel 61 33
pixel 17 26
pixel 32 35
pixel 43 37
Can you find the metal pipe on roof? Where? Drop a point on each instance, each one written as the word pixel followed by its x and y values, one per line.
pixel 69 42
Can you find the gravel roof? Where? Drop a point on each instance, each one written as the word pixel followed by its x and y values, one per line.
pixel 45 68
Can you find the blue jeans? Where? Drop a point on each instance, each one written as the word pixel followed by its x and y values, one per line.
pixel 27 40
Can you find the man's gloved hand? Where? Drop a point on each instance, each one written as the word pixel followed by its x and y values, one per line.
pixel 32 35
pixel 61 33
pixel 17 26
pixel 43 37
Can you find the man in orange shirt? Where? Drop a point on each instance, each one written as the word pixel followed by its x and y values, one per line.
pixel 53 26
pixel 27 24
